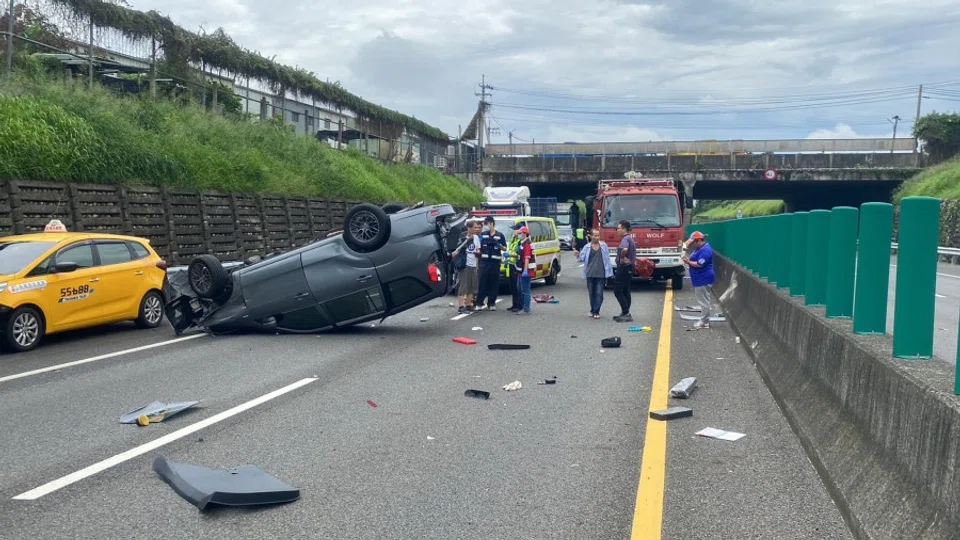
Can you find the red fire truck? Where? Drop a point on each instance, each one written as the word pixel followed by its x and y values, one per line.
pixel 654 209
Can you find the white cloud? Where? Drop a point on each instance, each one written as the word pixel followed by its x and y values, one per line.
pixel 665 58
pixel 843 131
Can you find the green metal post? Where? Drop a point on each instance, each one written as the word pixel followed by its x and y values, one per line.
pixel 873 268
pixel 917 286
pixel 841 262
pixel 798 254
pixel 784 235
pixel 818 231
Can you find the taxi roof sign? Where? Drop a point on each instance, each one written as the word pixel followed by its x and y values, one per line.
pixel 55 225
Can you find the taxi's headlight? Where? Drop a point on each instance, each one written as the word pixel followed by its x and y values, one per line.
pixel 3 286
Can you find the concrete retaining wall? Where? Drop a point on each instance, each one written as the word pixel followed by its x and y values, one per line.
pixel 882 432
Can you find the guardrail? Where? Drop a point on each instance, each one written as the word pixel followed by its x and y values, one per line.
pixel 941 250
pixel 839 259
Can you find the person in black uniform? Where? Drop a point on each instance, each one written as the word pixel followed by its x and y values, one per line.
pixel 492 246
pixel 514 267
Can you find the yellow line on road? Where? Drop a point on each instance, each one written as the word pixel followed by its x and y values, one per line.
pixel 648 512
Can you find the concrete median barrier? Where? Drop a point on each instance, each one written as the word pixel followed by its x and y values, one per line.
pixel 882 432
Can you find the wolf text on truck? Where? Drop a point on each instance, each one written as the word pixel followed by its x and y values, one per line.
pixel 655 212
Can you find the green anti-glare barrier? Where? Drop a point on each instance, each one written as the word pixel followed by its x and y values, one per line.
pixel 798 254
pixel 784 235
pixel 916 287
pixel 873 268
pixel 841 261
pixel 818 230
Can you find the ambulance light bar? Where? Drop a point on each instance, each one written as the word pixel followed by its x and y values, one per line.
pixel 507 212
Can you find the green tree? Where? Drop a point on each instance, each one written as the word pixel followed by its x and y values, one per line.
pixel 940 133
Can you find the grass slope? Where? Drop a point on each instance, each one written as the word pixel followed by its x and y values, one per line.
pixel 749 208
pixel 942 181
pixel 56 132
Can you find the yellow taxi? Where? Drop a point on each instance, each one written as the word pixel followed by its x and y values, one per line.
pixel 56 281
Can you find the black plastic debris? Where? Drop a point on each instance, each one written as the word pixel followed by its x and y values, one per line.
pixel 671 413
pixel 548 381
pixel 479 394
pixel 684 388
pixel 610 342
pixel 157 411
pixel 506 347
pixel 240 486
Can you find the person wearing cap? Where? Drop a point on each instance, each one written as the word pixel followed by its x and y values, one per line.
pixel 527 261
pixel 701 275
pixel 514 268
pixel 492 246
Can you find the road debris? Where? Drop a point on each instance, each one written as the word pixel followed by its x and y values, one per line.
pixel 424 319
pixel 639 329
pixel 548 381
pixel 671 413
pixel 157 411
pixel 372 403
pixel 515 385
pixel 477 328
pixel 712 318
pixel 713 433
pixel 684 388
pixel 479 394
pixel 545 298
pixel 239 486
pixel 687 308
pixel 610 342
pixel 507 347
pixel 465 341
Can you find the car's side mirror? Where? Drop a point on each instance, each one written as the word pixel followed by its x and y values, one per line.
pixel 66 267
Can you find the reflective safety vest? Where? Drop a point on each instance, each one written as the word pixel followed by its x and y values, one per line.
pixel 580 234
pixel 508 266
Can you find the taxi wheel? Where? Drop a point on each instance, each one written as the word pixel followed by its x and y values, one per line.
pixel 151 310
pixel 23 330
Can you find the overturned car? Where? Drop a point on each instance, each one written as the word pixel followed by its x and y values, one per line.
pixel 386 260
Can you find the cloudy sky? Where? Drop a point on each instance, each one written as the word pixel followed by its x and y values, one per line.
pixel 627 70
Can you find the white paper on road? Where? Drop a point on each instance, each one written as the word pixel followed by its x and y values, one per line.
pixel 714 433
pixel 515 385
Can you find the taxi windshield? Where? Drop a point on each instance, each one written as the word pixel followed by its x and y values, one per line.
pixel 15 256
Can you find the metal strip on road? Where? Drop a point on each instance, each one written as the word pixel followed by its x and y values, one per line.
pixel 65 481
pixel 96 358
pixel 648 512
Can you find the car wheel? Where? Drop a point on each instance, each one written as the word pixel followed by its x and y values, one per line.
pixel 208 278
pixel 23 330
pixel 393 207
pixel 366 228
pixel 554 272
pixel 676 282
pixel 151 310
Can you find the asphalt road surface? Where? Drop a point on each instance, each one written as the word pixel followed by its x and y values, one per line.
pixel 947 310
pixel 546 461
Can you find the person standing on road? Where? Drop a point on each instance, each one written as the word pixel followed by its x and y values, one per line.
pixel 626 259
pixel 596 269
pixel 492 245
pixel 701 275
pixel 528 262
pixel 514 269
pixel 467 288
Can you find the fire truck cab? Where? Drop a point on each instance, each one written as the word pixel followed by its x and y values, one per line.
pixel 655 212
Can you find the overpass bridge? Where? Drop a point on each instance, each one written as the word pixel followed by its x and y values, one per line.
pixel 798 171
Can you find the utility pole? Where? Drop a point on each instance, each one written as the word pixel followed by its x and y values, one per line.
pixel 481 124
pixel 10 40
pixel 895 120
pixel 916 141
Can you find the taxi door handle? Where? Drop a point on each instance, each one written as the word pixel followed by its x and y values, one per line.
pixel 95 280
pixel 138 273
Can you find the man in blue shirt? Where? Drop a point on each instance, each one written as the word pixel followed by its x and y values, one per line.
pixel 701 275
pixel 623 276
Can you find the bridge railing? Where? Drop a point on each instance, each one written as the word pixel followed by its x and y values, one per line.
pixel 839 259
pixel 706 147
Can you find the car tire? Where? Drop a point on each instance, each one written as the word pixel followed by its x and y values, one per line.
pixel 208 278
pixel 676 282
pixel 393 207
pixel 151 311
pixel 554 273
pixel 366 228
pixel 24 330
